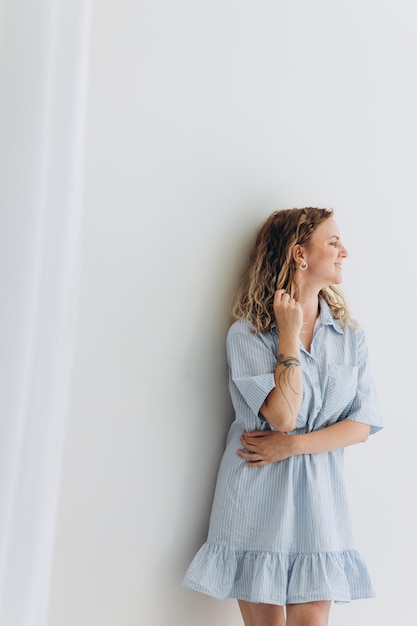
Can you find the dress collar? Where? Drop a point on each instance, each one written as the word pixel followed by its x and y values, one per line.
pixel 326 318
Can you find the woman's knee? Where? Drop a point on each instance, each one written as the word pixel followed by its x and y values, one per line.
pixel 255 614
pixel 309 614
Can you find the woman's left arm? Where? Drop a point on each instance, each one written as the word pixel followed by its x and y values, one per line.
pixel 268 446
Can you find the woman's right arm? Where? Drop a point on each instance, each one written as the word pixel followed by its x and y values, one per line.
pixel 282 404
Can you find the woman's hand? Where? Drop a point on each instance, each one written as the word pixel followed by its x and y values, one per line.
pixel 265 446
pixel 288 314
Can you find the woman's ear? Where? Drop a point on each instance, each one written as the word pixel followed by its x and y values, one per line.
pixel 298 253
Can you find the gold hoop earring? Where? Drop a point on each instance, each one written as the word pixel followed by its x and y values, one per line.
pixel 303 265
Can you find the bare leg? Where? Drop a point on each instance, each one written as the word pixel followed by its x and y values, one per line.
pixel 308 614
pixel 262 614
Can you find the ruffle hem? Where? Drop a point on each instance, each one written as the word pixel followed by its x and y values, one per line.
pixel 278 578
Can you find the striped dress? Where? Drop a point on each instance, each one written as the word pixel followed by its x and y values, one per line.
pixel 281 533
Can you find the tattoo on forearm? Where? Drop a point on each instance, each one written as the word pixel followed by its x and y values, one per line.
pixel 289 363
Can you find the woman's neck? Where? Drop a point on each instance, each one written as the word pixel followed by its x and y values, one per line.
pixel 310 306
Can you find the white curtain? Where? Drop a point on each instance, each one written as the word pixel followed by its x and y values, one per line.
pixel 44 48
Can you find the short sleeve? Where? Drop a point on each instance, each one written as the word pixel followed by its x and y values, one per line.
pixel 252 361
pixel 365 406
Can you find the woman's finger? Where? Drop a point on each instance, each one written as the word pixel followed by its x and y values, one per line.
pixel 256 433
pixel 249 455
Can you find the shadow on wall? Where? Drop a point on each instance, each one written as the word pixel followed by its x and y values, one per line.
pixel 209 408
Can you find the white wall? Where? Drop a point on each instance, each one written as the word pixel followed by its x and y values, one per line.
pixel 205 117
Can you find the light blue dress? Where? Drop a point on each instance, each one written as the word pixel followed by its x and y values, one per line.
pixel 281 533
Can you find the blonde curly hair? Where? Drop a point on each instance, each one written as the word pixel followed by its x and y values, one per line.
pixel 271 266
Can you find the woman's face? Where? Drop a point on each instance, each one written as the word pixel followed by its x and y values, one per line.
pixel 324 254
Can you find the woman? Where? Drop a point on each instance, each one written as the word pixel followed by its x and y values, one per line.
pixel 279 538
